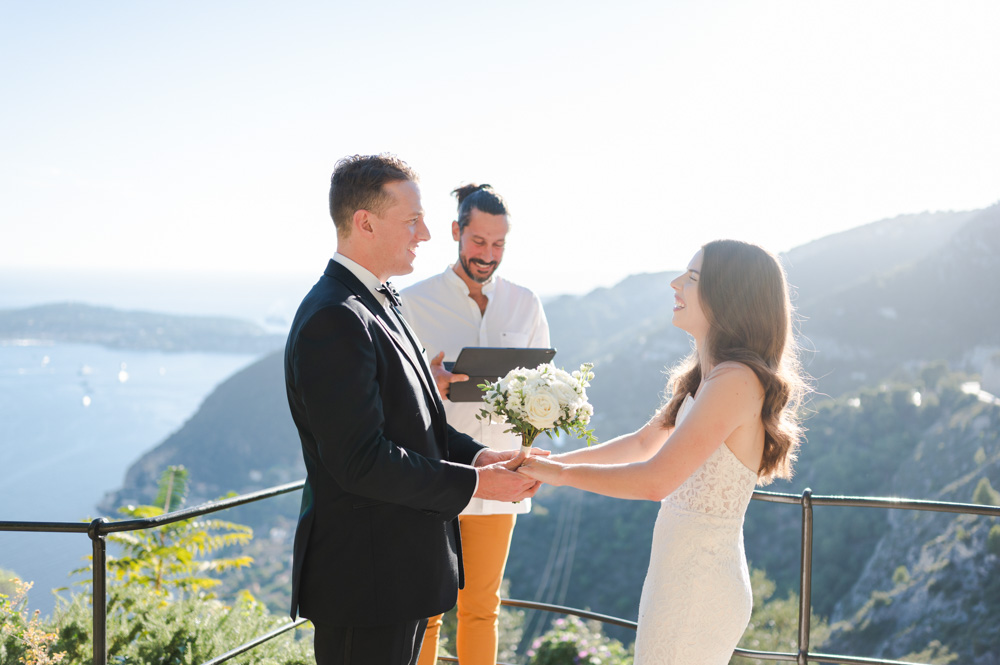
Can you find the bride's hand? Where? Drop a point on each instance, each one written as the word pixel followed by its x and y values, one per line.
pixel 540 468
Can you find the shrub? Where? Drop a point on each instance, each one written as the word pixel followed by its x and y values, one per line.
pixel 144 626
pixel 993 540
pixel 774 622
pixel 158 610
pixel 985 495
pixel 571 641
pixel 24 639
pixel 935 654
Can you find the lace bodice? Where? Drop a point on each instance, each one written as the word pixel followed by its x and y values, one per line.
pixel 722 486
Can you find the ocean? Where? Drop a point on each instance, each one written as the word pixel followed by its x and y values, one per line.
pixel 74 417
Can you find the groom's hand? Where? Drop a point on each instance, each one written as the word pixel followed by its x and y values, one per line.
pixel 442 377
pixel 499 483
pixel 513 458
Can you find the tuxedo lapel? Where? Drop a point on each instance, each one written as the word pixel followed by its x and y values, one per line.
pixel 404 340
pixel 408 345
pixel 422 361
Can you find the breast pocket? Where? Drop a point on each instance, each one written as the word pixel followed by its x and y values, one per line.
pixel 514 340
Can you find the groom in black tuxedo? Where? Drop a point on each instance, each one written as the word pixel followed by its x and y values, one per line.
pixel 377 548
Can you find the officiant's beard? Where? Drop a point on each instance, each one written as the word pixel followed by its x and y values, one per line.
pixel 478 277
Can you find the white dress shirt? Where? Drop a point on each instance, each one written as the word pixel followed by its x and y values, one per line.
pixel 446 319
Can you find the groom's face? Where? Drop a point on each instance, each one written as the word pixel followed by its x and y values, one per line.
pixel 399 228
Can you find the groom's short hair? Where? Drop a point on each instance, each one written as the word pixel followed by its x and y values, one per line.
pixel 357 184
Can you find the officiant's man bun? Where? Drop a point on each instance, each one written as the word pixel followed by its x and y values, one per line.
pixel 477 197
pixel 357 184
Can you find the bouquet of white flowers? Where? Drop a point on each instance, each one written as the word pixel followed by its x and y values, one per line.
pixel 544 399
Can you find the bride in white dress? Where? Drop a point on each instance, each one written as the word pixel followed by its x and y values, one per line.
pixel 729 424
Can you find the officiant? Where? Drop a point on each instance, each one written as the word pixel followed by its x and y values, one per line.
pixel 470 305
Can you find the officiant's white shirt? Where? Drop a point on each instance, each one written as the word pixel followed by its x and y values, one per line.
pixel 446 319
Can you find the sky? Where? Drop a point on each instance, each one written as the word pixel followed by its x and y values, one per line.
pixel 197 136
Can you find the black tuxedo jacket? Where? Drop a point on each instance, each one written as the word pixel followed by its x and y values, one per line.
pixel 377 540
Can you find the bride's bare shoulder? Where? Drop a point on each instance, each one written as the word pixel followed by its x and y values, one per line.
pixel 737 380
pixel 731 368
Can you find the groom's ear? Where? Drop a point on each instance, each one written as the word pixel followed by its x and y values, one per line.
pixel 456 232
pixel 362 222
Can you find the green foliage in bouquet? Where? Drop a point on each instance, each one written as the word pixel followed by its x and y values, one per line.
pixel 571 641
pixel 544 399
pixel 172 556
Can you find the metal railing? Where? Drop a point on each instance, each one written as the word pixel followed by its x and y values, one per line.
pixel 98 529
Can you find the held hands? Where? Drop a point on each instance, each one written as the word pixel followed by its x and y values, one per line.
pixel 442 377
pixel 498 479
pixel 512 458
pixel 542 470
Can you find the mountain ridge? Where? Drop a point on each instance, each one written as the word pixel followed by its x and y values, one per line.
pixel 135 329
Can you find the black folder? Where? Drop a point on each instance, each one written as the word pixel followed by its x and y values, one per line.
pixel 486 364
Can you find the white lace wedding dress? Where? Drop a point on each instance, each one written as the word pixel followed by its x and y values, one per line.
pixel 696 599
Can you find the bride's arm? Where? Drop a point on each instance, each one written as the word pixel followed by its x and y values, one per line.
pixel 638 446
pixel 726 400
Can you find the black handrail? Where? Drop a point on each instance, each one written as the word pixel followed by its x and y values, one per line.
pixel 100 527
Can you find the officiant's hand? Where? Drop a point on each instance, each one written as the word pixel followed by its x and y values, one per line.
pixel 442 377
pixel 513 458
pixel 542 470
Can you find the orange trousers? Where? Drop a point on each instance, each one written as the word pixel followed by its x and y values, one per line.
pixel 485 544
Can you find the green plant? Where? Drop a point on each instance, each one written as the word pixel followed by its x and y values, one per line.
pixel 9 582
pixel 171 556
pixel 143 626
pixel 774 622
pixel 993 540
pixel 572 641
pixel 935 654
pixel 23 638
pixel 984 493
pixel 901 576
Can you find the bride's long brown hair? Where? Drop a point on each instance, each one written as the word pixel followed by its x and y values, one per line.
pixel 744 295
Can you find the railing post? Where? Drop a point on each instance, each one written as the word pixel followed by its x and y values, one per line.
pixel 805 582
pixel 100 599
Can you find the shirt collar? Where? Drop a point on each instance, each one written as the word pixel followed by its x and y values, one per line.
pixel 364 275
pixel 458 283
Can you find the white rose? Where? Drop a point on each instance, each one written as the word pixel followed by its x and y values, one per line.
pixel 565 393
pixel 542 410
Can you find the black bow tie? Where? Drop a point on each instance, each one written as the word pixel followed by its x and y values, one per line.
pixel 390 293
